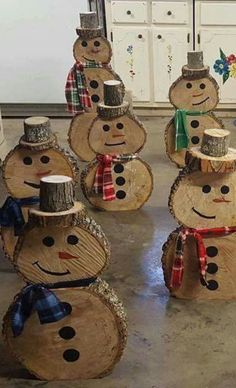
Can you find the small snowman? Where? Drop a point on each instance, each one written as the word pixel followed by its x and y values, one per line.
pixel 198 258
pixel 66 324
pixel 194 95
pixel 36 156
pixel 117 179
pixel 92 52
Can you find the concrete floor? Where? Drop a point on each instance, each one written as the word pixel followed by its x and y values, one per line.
pixel 172 343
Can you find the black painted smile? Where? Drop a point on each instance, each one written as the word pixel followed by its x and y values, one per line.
pixel 114 144
pixel 199 103
pixel 34 185
pixel 49 272
pixel 87 59
pixel 202 215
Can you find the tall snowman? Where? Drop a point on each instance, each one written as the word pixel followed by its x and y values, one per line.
pixel 117 179
pixel 194 96
pixel 199 257
pixel 37 155
pixel 66 323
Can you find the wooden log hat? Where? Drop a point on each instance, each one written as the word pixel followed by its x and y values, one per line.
pixel 195 67
pixel 37 134
pixel 214 154
pixel 89 27
pixel 113 104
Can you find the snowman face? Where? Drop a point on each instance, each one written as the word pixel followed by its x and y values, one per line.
pixel 55 254
pixel 95 49
pixel 24 168
pixel 119 135
pixel 205 200
pixel 195 95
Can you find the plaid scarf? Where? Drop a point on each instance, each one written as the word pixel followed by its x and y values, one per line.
pixel 76 89
pixel 11 213
pixel 103 183
pixel 181 130
pixel 199 235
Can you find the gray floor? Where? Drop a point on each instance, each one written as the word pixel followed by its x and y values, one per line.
pixel 172 343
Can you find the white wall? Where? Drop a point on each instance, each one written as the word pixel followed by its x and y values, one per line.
pixel 36 39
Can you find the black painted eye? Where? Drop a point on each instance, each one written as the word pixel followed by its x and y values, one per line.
pixel 96 43
pixel 202 86
pixel 224 189
pixel 206 189
pixel 48 241
pixel 73 240
pixel 84 43
pixel 27 160
pixel 119 125
pixel 44 159
pixel 106 127
pixel 189 85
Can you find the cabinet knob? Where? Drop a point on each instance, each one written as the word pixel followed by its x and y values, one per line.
pixel 159 37
pixel 128 12
pixel 140 36
pixel 169 13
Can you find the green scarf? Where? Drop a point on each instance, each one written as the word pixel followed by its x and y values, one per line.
pixel 181 130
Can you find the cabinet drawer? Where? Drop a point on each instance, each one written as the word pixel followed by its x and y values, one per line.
pixel 129 12
pixel 221 14
pixel 170 12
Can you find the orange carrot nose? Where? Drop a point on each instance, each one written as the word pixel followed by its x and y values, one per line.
pixel 118 135
pixel 66 256
pixel 95 50
pixel 197 95
pixel 220 200
pixel 43 173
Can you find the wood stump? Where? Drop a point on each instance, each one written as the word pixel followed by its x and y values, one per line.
pixel 215 142
pixel 37 129
pixel 56 193
pixel 113 93
pixel 86 344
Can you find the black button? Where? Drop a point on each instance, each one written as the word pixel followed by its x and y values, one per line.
pixel 195 139
pixel 71 355
pixel 67 332
pixel 189 85
pixel 206 189
pixel 67 307
pixel 95 98
pixel 224 189
pixel 118 168
pixel 48 241
pixel 72 239
pixel 194 123
pixel 94 84
pixel 202 86
pixel 120 194
pixel 212 268
pixel 212 285
pixel 120 181
pixel 27 160
pixel 84 43
pixel 44 159
pixel 212 251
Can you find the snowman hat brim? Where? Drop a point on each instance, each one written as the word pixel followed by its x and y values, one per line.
pixel 89 33
pixel 44 145
pixel 189 73
pixel 196 160
pixel 110 112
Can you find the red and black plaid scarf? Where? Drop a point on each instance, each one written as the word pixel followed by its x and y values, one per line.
pixel 103 183
pixel 199 235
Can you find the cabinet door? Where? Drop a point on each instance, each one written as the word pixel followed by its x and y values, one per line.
pixel 131 60
pixel 170 48
pixel 211 43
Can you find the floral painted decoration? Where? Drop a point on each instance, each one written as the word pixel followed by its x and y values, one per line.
pixel 130 62
pixel 226 66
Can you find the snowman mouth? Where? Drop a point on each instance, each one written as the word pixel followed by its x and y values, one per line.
pixel 199 103
pixel 114 144
pixel 51 272
pixel 31 184
pixel 88 59
pixel 203 215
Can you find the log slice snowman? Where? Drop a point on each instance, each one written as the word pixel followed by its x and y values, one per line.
pixel 118 179
pixel 198 258
pixel 36 155
pixel 195 96
pixel 64 251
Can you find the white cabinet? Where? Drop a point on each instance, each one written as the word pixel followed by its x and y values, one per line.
pixel 129 12
pixel 131 59
pixel 170 12
pixel 170 46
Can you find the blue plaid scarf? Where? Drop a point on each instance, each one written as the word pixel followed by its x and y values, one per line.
pixel 11 214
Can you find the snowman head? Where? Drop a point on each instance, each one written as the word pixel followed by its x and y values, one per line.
pixel 61 245
pixel 203 196
pixel 37 155
pixel 91 44
pixel 195 90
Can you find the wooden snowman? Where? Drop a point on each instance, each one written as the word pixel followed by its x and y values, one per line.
pixel 66 324
pixel 118 179
pixel 194 95
pixel 37 155
pixel 199 258
pixel 92 52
